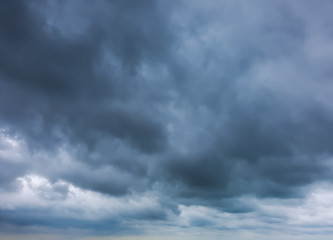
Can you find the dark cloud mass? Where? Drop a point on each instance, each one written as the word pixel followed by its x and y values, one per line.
pixel 196 102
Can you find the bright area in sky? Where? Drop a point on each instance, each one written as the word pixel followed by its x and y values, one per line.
pixel 312 214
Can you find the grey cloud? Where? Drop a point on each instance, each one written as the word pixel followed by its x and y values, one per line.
pixel 60 84
pixel 204 102
pixel 9 173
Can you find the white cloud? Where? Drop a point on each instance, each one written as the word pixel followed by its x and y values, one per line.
pixel 65 199
pixel 12 149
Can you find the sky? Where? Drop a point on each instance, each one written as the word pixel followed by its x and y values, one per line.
pixel 166 119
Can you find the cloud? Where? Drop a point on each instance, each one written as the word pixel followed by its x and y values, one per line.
pixel 127 115
pixel 63 85
pixel 37 201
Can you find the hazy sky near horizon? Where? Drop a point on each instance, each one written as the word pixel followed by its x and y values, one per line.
pixel 166 119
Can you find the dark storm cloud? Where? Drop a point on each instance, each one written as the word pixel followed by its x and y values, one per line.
pixel 40 217
pixel 56 88
pixel 261 143
pixel 205 102
pixel 57 80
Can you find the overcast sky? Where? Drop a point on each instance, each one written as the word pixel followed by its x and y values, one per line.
pixel 166 119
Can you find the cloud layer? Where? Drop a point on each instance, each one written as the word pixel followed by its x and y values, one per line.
pixel 188 114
